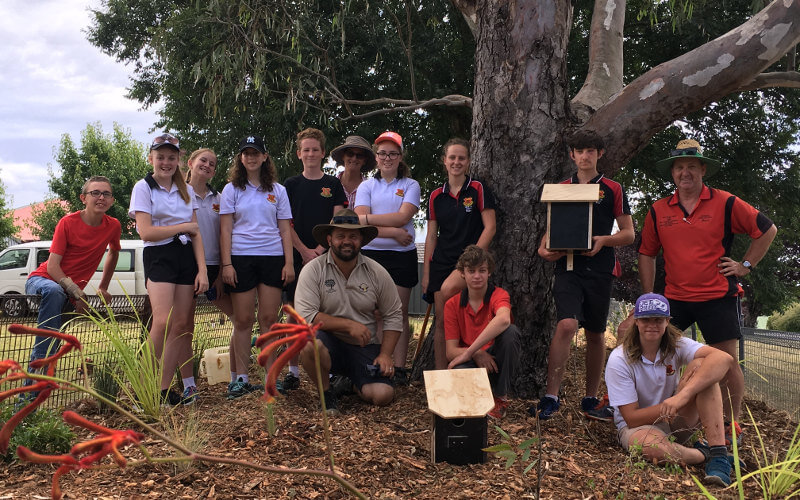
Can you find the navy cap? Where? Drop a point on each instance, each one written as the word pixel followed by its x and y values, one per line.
pixel 253 141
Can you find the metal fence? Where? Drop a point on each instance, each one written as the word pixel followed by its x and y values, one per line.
pixel 771 364
pixel 212 329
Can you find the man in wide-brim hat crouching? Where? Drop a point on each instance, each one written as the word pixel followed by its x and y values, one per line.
pixel 342 289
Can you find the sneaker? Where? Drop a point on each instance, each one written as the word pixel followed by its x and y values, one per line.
pixel 718 471
pixel 729 435
pixel 291 382
pixel 241 388
pixel 189 396
pixel 546 407
pixel 400 376
pixel 499 410
pixel 170 397
pixel 597 409
pixel 341 386
pixel 331 408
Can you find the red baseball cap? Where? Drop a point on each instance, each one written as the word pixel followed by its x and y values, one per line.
pixel 392 137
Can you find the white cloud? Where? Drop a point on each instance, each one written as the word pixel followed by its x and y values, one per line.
pixel 54 82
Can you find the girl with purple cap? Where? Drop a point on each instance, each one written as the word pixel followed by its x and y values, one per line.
pixel 657 408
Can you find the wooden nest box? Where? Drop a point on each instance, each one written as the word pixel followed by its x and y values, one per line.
pixel 569 217
pixel 459 401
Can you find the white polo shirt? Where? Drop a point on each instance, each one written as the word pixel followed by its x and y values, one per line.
pixel 386 198
pixel 255 218
pixel 208 220
pixel 644 381
pixel 166 208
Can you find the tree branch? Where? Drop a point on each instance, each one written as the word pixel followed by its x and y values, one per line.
pixel 468 10
pixel 604 76
pixel 450 100
pixel 790 79
pixel 690 82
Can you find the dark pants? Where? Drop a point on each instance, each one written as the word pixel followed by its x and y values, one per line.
pixel 505 349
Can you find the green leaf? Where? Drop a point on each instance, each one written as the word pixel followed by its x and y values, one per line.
pixel 529 467
pixel 498 448
pixel 528 442
pixel 502 432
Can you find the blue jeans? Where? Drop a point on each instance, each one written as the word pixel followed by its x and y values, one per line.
pixel 52 302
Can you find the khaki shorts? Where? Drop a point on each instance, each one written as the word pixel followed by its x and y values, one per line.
pixel 681 435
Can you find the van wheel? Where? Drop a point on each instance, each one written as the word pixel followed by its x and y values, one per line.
pixel 15 306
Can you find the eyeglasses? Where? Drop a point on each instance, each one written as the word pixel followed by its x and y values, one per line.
pixel 685 152
pixel 166 138
pixel 393 155
pixel 345 219
pixel 100 194
pixel 357 154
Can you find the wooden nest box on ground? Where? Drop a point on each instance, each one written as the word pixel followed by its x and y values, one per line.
pixel 569 217
pixel 459 401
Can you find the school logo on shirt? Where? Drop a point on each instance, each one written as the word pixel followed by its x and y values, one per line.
pixel 670 370
pixel 468 203
pixel 363 287
pixel 326 193
pixel 215 207
pixel 400 193
pixel 271 198
pixel 330 286
pixel 602 196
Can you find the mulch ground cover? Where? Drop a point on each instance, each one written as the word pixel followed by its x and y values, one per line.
pixel 385 453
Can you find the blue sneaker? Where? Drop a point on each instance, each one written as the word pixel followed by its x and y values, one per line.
pixel 241 388
pixel 189 396
pixel 718 472
pixel 546 407
pixel 597 409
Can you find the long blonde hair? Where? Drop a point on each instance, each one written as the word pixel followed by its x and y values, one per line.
pixel 632 344
pixel 177 178
pixel 194 155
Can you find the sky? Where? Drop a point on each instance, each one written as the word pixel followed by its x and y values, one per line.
pixel 54 82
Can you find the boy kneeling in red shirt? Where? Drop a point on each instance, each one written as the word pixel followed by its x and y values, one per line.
pixel 478 327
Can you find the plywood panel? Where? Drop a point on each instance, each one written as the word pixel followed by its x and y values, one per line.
pixel 461 393
pixel 570 192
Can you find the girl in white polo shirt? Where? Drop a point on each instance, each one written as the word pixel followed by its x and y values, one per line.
pixel 174 261
pixel 255 249
pixel 389 201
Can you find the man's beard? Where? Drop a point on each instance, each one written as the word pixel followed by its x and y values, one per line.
pixel 345 255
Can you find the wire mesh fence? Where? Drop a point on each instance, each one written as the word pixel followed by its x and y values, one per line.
pixel 771 364
pixel 212 329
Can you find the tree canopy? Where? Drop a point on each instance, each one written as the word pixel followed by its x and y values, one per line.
pixel 7 228
pixel 117 156
pixel 516 77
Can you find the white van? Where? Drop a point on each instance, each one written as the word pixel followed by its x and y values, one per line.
pixel 18 261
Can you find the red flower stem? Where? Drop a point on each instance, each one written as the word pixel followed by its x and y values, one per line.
pixel 38 363
pixel 8 428
pixel 18 329
pixel 73 418
pixel 275 370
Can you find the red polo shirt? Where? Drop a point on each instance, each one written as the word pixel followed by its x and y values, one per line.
pixel 694 243
pixel 462 323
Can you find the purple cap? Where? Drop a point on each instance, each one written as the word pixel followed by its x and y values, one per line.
pixel 651 305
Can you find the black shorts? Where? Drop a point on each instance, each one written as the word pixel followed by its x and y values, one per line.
pixel 437 274
pixel 352 360
pixel 254 270
pixel 291 287
pixel 585 296
pixel 718 319
pixel 212 271
pixel 170 263
pixel 402 266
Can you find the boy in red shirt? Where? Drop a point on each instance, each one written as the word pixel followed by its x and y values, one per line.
pixel 79 242
pixel 478 329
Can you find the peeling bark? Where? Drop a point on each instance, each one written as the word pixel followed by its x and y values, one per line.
pixel 604 77
pixel 690 82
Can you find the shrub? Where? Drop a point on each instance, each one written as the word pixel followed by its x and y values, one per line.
pixel 42 431
pixel 788 321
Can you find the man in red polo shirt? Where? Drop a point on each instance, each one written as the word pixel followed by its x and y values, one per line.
pixel 477 327
pixel 695 228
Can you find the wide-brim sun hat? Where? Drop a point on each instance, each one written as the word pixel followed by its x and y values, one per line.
pixel 344 219
pixel 687 148
pixel 355 142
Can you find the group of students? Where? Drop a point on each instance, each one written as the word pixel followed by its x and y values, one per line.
pixel 250 242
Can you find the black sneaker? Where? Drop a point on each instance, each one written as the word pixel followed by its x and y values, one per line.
pixel 331 408
pixel 291 382
pixel 341 386
pixel 241 388
pixel 170 398
pixel 400 376
pixel 546 408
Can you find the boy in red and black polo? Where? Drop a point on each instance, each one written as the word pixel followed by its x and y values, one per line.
pixel 478 329
pixel 583 295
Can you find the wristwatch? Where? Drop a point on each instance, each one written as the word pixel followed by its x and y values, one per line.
pixel 747 265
